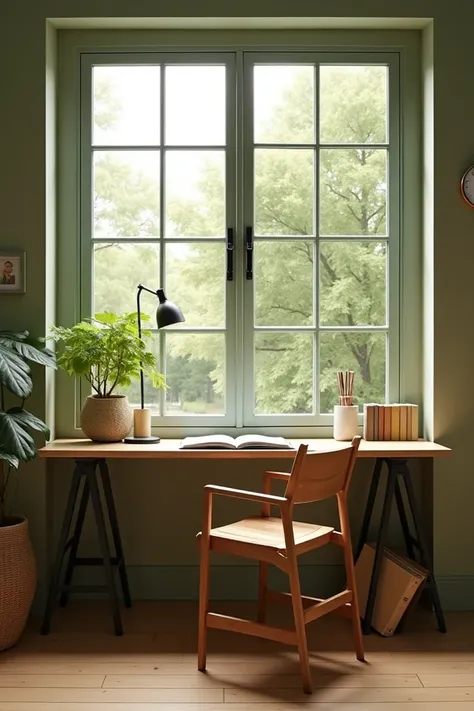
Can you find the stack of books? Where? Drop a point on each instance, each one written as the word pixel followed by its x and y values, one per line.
pixel 391 422
pixel 399 587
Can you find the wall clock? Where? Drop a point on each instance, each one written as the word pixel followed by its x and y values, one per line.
pixel 467 186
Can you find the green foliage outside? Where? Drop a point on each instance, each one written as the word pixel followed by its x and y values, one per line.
pixel 351 272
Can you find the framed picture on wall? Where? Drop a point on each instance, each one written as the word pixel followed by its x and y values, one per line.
pixel 12 271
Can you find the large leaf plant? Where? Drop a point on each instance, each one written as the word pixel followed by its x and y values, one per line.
pixel 17 425
pixel 107 352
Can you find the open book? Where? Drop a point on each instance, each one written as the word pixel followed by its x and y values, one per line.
pixel 251 441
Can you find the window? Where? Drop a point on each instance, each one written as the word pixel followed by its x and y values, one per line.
pixel 262 191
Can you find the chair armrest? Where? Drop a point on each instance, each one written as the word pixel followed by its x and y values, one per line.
pixel 277 475
pixel 242 494
pixel 267 487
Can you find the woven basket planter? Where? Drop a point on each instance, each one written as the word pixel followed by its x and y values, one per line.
pixel 107 419
pixel 17 580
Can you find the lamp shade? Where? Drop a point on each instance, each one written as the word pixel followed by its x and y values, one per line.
pixel 167 313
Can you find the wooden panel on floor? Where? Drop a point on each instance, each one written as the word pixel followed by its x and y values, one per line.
pixel 349 706
pixel 447 680
pixel 277 706
pixel 344 695
pixel 129 696
pixel 153 666
pixel 214 679
pixel 36 680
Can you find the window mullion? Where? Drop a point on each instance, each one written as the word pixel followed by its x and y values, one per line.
pixel 317 163
pixel 162 336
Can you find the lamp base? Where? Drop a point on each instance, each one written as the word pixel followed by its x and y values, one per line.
pixel 141 440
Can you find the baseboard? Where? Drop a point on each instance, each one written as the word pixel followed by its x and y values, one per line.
pixel 456 591
pixel 239 582
pixel 228 582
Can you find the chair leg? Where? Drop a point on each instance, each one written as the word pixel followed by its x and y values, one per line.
pixel 300 626
pixel 355 612
pixel 350 574
pixel 262 590
pixel 203 602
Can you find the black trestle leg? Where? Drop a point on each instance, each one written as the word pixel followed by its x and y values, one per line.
pixel 75 542
pixel 404 521
pixel 379 551
pixel 425 555
pixel 109 500
pixel 54 585
pixel 105 551
pixel 364 531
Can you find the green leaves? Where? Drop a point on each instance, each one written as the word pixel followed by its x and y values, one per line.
pixel 10 459
pixel 107 351
pixel 15 437
pixel 15 351
pixel 14 372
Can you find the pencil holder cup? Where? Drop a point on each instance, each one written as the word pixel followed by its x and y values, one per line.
pixel 345 422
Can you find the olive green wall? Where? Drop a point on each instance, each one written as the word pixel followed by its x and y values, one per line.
pixel 27 210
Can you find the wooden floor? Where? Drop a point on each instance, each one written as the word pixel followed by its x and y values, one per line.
pixel 82 666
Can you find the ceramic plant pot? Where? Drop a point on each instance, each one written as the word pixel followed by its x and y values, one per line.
pixel 107 419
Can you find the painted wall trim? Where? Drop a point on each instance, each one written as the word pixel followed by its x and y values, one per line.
pixel 239 582
pixel 456 591
pixel 240 23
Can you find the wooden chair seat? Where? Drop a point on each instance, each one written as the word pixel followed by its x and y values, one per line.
pixel 279 541
pixel 268 532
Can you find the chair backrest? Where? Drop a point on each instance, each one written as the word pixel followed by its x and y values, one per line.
pixel 320 475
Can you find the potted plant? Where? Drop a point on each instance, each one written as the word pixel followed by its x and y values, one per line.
pixel 108 353
pixel 17 562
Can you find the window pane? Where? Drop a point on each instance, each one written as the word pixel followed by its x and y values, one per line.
pixel 195 194
pixel 283 373
pixel 352 277
pixel 126 106
pixel 353 191
pixel 195 106
pixel 195 279
pixel 284 191
pixel 284 283
pixel 353 104
pixel 284 104
pixel 126 194
pixel 195 374
pixel 365 354
pixel 118 269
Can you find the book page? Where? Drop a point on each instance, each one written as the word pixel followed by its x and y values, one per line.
pixel 262 442
pixel 208 442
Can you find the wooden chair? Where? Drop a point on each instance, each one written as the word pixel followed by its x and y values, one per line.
pixel 279 541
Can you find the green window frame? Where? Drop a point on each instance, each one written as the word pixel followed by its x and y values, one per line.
pixel 403 305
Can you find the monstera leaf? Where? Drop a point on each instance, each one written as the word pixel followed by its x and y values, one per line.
pixel 10 459
pixel 15 351
pixel 33 352
pixel 15 427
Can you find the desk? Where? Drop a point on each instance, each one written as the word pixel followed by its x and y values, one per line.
pixel 91 457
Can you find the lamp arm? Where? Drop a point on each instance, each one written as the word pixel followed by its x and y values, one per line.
pixel 139 319
pixel 145 288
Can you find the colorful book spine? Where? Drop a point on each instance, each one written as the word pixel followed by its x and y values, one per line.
pixel 396 422
pixel 414 423
pixel 403 422
pixel 387 422
pixel 369 422
pixel 381 416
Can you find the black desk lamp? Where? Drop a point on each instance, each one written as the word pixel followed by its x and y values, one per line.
pixel 167 314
